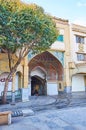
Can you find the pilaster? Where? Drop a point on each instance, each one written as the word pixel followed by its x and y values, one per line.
pixel 25 72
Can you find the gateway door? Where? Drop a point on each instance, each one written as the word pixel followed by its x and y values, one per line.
pixel 78 83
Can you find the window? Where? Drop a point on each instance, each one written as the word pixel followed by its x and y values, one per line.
pixel 79 39
pixel 60 38
pixel 81 57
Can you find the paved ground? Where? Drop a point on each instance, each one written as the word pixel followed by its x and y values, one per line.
pixel 60 101
pixel 34 101
pixel 68 119
pixel 62 112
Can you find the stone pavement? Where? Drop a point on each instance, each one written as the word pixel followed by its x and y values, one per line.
pixel 62 119
pixel 39 103
pixel 34 101
pixel 52 118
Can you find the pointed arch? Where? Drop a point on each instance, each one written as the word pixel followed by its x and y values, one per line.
pixel 45 60
pixel 45 71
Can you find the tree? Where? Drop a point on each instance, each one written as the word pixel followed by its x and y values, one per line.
pixel 23 28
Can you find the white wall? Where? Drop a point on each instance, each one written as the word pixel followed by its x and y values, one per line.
pixel 78 83
pixel 25 96
pixel 52 89
pixel 75 46
pixel 58 45
pixel 2 86
pixel 29 89
pixel 9 85
pixel 38 72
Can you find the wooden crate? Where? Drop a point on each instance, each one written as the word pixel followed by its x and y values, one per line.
pixel 5 117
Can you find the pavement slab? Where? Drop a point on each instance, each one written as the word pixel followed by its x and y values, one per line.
pixel 27 112
pixel 68 118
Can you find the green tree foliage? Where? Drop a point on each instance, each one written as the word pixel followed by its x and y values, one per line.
pixel 24 28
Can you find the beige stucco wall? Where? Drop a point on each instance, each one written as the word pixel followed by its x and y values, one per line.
pixel 65 46
pixel 22 69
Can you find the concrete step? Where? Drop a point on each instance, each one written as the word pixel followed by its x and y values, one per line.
pixel 24 112
pixel 28 112
pixel 17 113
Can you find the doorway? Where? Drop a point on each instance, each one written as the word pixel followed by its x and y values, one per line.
pixel 78 83
pixel 38 86
pixel 45 70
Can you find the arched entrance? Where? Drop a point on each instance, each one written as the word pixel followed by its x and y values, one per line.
pixel 45 72
pixel 38 81
pixel 3 77
pixel 37 86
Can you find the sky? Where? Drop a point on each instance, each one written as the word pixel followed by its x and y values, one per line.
pixel 72 10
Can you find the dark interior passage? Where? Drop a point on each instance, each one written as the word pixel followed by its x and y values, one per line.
pixel 38 86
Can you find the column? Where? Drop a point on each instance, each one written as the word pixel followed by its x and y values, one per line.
pixel 25 90
pixel 67 81
pixel 67 78
pixel 25 72
pixel 13 90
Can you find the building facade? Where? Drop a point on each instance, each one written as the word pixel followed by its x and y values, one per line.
pixel 59 69
pixel 78 58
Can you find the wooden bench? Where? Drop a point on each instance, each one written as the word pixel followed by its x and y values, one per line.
pixel 5 117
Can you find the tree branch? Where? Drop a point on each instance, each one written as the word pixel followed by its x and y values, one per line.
pixel 30 46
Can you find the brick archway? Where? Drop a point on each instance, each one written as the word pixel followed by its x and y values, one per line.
pixel 48 63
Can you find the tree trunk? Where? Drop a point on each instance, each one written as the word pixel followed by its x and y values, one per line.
pixel 10 75
pixel 5 91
